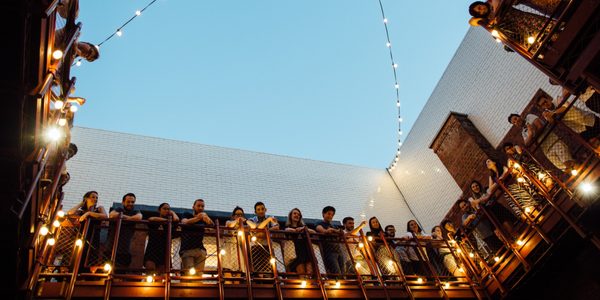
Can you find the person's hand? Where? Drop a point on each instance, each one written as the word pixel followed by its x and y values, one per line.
pixel 84 216
pixel 548 115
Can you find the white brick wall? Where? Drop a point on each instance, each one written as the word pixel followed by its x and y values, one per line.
pixel 486 83
pixel 159 170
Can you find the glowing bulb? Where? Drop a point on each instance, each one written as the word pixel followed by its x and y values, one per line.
pixel 520 179
pixel 495 33
pixel 399 119
pixel 471 255
pixel 253 238
pixel 447 285
pixel 498 40
pixel 272 260
pixel 586 187
pixel 385 20
pixel 520 242
pixel 395 65
pixel 192 271
pixel 390 262
pixel 240 233
pixel 419 280
pixel 357 265
pixel 107 267
pixel 62 122
pixel 78 243
pixel 44 230
pixel 78 63
pixel 119 32
pixel 137 12
pixel 516 165
pixel 149 278
pixel 530 40
pixel 370 238
pixel 73 108
pixel 541 175
pixel 527 209
pixel 496 259
pixel 398 103
pixel 58 104
pixel 388 44
pixel 337 284
pixel 461 270
pixel 360 245
pixel 397 86
pixel 400 132
pixel 56 223
pixel 303 284
pixel 222 252
pixel 574 172
pixel 51 241
pixel 57 54
pixel 60 214
pixel 399 143
pixel 458 251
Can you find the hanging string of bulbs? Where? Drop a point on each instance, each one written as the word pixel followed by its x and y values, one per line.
pixel 394 65
pixel 119 31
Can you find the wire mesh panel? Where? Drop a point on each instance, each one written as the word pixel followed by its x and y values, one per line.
pixel 232 256
pixel 357 259
pixel 260 254
pixel 98 245
pixel 334 260
pixel 61 255
pixel 292 253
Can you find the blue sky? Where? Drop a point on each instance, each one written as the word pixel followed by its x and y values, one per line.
pixel 302 78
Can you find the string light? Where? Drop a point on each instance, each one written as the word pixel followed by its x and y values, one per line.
pixel 44 230
pixel 51 241
pixel 119 31
pixel 388 44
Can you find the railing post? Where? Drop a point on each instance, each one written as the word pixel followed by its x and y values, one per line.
pixel 273 265
pixel 78 253
pixel 315 263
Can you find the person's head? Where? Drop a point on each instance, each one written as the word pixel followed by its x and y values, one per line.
pixel 90 199
pixel 476 187
pixel 295 218
pixel 544 102
pixel 464 205
pixel 448 225
pixel 509 148
pixel 413 226
pixel 260 209
pixel 348 223
pixel 71 151
pixel 480 9
pixel 328 213
pixel 237 212
pixel 374 224
pixel 436 232
pixel 516 120
pixel 390 231
pixel 128 201
pixel 164 209
pixel 198 206
pixel 88 51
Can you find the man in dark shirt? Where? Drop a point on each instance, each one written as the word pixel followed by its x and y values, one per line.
pixel 333 258
pixel 192 251
pixel 129 213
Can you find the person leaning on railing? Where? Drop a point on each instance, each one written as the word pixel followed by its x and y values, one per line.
pixel 481 227
pixel 231 244
pixel 156 249
pixel 332 252
pixel 192 250
pixel 303 262
pixel 444 252
pixel 88 209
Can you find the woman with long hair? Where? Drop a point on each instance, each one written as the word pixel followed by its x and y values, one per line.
pixel 302 264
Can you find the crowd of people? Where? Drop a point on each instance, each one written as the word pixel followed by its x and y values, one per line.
pixel 341 247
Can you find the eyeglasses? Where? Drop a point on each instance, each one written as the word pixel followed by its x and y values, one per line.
pixel 238 215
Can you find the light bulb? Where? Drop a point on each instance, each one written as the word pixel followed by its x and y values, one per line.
pixel 240 233
pixel 360 245
pixel 137 12
pixel 395 65
pixel 520 242
pixel 516 166
pixel 78 243
pixel 119 32
pixel 530 40
pixel 520 179
pixel 385 20
pixel 419 280
pixel 222 252
pixel 496 259
pixel 541 175
pixel 73 108
pixel 370 238
pixel 527 209
pixel 60 214
pixel 51 241
pixel 495 33
pixel 192 271
pixel 272 260
pixel 44 230
pixel 461 270
pixel 56 223
pixel 53 134
pixel 458 251
pixel 303 284
pixel 471 255
pixel 399 119
pixel 498 40
pixel 337 284
pixel 357 265
pixel 58 104
pixel 398 103
pixel 57 54
pixel 586 187
pixel 388 44
pixel 253 238
pixel 149 278
pixel 397 86
pixel 574 172
pixel 107 267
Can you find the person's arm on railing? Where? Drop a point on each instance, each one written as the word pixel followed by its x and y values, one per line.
pixel 358 228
